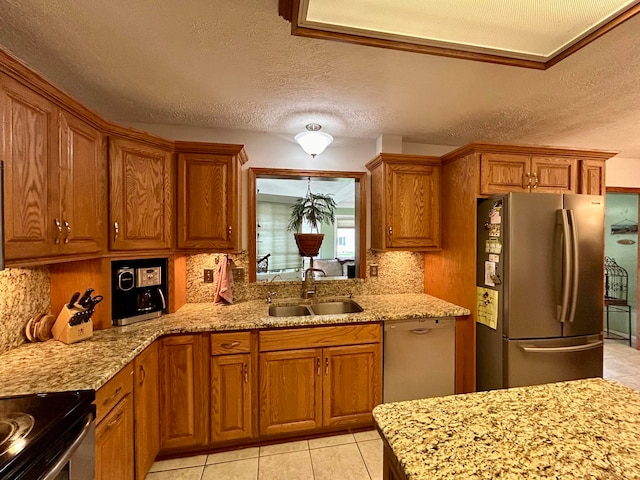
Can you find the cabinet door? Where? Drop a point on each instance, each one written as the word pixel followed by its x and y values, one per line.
pixel 83 177
pixel 231 394
pixel 207 202
pixel 29 151
pixel 554 175
pixel 413 206
pixel 114 443
pixel 501 173
pixel 290 390
pixel 147 409
pixel 352 384
pixel 141 196
pixel 592 174
pixel 184 398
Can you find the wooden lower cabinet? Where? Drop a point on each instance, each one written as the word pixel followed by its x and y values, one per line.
pixel 352 384
pixel 290 391
pixel 146 401
pixel 184 392
pixel 232 377
pixel 313 388
pixel 114 427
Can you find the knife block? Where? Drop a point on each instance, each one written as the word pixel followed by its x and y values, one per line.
pixel 66 333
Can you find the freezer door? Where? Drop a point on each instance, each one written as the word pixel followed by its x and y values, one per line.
pixel 532 267
pixel 587 296
pixel 533 362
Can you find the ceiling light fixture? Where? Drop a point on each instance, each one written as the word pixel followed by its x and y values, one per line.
pixel 313 141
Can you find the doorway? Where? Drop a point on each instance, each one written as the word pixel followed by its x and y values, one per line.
pixel 621 266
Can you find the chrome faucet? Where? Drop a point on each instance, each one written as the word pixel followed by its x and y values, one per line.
pixel 273 293
pixel 308 285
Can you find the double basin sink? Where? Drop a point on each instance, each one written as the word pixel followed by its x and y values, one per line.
pixel 317 308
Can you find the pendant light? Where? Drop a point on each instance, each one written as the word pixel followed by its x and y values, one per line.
pixel 313 141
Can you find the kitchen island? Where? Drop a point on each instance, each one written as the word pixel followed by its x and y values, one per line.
pixel 568 430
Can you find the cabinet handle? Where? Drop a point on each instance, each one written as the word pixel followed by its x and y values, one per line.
pixel 112 397
pixel 230 345
pixel 115 421
pixel 528 177
pixel 535 180
pixel 326 366
pixel 68 228
pixel 116 231
pixel 390 233
pixel 229 230
pixel 245 369
pixel 59 228
pixel 143 374
pixel 318 366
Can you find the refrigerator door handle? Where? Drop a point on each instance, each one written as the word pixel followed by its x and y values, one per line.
pixel 574 348
pixel 574 266
pixel 566 265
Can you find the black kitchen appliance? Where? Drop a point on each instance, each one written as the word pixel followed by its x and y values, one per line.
pixel 139 290
pixel 48 436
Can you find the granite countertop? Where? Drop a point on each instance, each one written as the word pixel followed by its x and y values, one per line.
pixel 54 366
pixel 569 430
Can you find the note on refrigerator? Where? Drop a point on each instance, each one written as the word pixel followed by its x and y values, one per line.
pixel 487 302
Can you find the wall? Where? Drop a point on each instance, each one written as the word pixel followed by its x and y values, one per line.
pixel 619 208
pixel 24 292
pixel 623 172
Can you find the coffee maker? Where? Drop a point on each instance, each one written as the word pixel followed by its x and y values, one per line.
pixel 139 290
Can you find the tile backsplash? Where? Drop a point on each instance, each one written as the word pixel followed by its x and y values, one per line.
pixel 398 272
pixel 23 293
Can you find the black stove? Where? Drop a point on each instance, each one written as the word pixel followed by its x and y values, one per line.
pixel 35 430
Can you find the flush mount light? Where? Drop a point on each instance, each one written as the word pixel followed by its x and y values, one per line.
pixel 313 141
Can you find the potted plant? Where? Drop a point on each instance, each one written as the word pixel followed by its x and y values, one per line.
pixel 315 209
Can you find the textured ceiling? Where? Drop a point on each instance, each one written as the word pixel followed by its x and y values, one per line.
pixel 234 64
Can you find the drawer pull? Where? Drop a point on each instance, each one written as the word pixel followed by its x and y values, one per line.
pixel 230 345
pixel 112 397
pixel 115 421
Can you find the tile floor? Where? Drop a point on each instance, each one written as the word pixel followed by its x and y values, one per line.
pixel 345 457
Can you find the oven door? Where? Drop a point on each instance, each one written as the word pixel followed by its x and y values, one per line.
pixel 76 461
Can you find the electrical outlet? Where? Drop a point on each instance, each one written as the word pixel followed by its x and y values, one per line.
pixel 373 270
pixel 208 275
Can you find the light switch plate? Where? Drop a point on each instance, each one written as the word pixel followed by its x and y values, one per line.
pixel 208 275
pixel 373 270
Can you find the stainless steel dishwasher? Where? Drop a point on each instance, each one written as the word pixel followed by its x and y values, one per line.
pixel 418 359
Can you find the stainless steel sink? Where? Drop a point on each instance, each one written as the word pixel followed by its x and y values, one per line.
pixel 288 311
pixel 334 308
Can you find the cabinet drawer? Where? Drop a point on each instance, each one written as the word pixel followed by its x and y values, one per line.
pixel 314 337
pixel 233 342
pixel 113 391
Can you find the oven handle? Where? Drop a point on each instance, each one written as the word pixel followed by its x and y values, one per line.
pixel 68 453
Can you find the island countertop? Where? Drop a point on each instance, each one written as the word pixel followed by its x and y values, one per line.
pixel 568 430
pixel 53 366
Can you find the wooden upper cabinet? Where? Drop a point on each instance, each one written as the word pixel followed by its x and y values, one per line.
pixel 140 196
pixel 208 215
pixel 83 186
pixel 504 173
pixel 405 202
pixel 592 177
pixel 55 174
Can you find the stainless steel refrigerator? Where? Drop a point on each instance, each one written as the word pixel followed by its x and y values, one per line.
pixel 540 293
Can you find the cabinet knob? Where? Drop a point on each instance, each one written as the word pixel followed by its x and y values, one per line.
pixel 116 230
pixel 68 228
pixel 59 228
